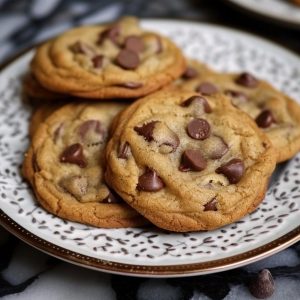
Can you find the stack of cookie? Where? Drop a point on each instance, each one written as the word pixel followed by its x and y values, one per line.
pixel 147 136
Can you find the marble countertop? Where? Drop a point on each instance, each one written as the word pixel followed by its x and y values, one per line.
pixel 26 273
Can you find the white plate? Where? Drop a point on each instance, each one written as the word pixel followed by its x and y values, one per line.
pixel 150 252
pixel 282 11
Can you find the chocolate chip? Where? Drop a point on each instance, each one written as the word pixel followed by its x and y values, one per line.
pixel 190 73
pixel 215 147
pixel 150 182
pixel 112 198
pixel 240 96
pixel 134 43
pixel 247 80
pixel 265 119
pixel 124 151
pixel 128 59
pixel 198 101
pixel 90 125
pixel 146 130
pixel 211 205
pixel 262 286
pixel 233 170
pixel 198 129
pixel 130 85
pixel 83 48
pixel 111 33
pixel 97 61
pixel 74 155
pixel 206 88
pixel 192 160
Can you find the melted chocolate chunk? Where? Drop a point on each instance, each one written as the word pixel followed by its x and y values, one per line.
pixel 206 88
pixel 190 73
pixel 74 155
pixel 111 33
pixel 211 205
pixel 128 59
pixel 217 148
pixel 265 119
pixel 198 101
pixel 130 85
pixel 150 182
pixel 233 170
pixel 240 96
pixel 83 48
pixel 124 151
pixel 112 198
pixel 97 61
pixel 247 80
pixel 90 125
pixel 192 160
pixel 134 43
pixel 198 129
pixel 146 130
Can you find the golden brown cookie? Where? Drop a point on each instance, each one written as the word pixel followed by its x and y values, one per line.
pixel 188 162
pixel 118 60
pixel 275 113
pixel 65 165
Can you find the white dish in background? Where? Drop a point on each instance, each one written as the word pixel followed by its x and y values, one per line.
pixel 282 11
pixel 149 252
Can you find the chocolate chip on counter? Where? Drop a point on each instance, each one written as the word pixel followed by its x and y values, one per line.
pixel 74 155
pixel 97 61
pixel 112 198
pixel 146 130
pixel 216 147
pixel 130 85
pixel 90 125
pixel 262 286
pixel 124 150
pixel 198 129
pixel 233 170
pixel 134 43
pixel 206 88
pixel 83 48
pixel 211 205
pixel 192 160
pixel 240 96
pixel 150 182
pixel 128 59
pixel 111 33
pixel 265 119
pixel 198 101
pixel 190 73
pixel 247 80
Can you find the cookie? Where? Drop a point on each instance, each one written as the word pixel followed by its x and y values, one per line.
pixel 65 165
pixel 188 162
pixel 275 113
pixel 118 60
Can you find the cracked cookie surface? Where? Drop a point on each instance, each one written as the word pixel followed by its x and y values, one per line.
pixel 65 165
pixel 275 113
pixel 118 60
pixel 188 162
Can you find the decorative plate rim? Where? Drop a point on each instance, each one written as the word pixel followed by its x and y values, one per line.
pixel 265 16
pixel 191 269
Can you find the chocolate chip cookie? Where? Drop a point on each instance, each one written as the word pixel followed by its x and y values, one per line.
pixel 65 165
pixel 106 61
pixel 189 162
pixel 275 113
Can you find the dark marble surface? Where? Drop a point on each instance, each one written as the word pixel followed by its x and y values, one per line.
pixel 26 273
